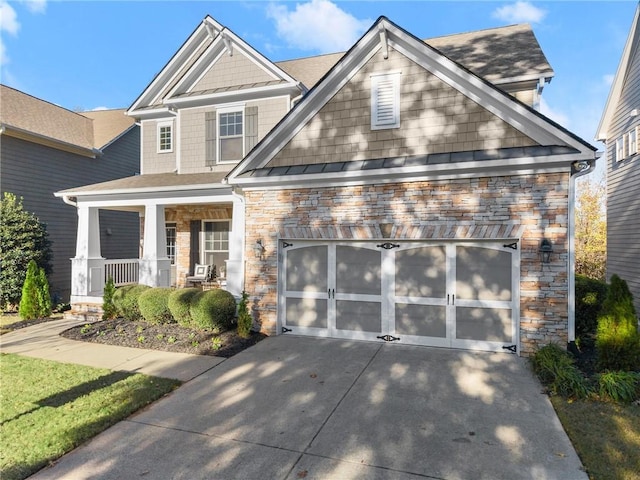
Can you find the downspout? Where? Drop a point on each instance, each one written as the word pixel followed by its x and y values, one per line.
pixel 578 169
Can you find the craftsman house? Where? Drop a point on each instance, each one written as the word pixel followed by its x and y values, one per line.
pixel 620 130
pixel 46 148
pixel 405 190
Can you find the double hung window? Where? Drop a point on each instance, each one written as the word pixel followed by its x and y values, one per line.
pixel 165 137
pixel 216 244
pixel 230 136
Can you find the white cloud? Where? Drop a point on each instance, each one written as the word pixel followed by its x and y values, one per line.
pixel 608 79
pixel 8 19
pixel 98 109
pixel 555 115
pixel 520 12
pixel 318 25
pixel 36 6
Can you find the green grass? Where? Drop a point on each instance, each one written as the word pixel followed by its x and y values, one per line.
pixel 605 435
pixel 48 408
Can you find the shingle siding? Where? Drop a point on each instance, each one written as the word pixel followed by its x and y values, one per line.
pixel 154 162
pixel 231 71
pixel 623 190
pixel 35 172
pixel 434 118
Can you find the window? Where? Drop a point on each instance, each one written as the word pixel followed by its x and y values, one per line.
pixel 632 142
pixel 216 244
pixel 385 101
pixel 231 138
pixel 170 228
pixel 620 149
pixel 165 137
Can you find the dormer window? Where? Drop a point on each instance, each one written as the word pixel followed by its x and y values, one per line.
pixel 385 101
pixel 165 137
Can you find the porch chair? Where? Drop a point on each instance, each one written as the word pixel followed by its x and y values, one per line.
pixel 201 273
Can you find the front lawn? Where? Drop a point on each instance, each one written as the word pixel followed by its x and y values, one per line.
pixel 48 408
pixel 605 435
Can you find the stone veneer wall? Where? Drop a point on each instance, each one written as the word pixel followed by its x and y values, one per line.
pixel 528 207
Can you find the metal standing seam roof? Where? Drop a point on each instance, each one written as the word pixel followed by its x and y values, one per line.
pixel 410 161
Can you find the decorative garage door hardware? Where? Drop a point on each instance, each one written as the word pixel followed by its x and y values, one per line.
pixel 511 348
pixel 388 245
pixel 460 294
pixel 513 246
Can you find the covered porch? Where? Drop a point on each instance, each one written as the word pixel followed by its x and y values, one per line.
pixel 181 224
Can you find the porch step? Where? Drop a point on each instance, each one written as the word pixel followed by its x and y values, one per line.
pixel 86 312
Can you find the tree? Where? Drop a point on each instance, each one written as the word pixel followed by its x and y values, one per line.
pixel 22 238
pixel 591 230
pixel 35 301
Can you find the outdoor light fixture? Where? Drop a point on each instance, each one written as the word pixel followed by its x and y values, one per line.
pixel 545 250
pixel 258 249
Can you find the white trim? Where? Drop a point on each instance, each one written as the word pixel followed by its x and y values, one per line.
pixel 618 153
pixel 177 134
pixel 632 141
pixel 248 94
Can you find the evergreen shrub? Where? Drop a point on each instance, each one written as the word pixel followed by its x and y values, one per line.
pixel 179 303
pixel 154 305
pixel 213 310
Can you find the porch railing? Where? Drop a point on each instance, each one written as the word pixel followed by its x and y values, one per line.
pixel 123 271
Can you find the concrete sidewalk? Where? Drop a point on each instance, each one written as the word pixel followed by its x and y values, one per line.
pixel 44 341
pixel 294 407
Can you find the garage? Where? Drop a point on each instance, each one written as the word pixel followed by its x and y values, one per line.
pixel 444 294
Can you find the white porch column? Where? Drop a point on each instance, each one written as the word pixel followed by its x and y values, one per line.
pixel 87 267
pixel 154 264
pixel 235 264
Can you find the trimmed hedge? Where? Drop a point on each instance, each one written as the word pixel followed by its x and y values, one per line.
pixel 213 310
pixel 179 303
pixel 126 301
pixel 154 305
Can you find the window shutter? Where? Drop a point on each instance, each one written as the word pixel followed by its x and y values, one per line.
pixel 385 101
pixel 210 138
pixel 194 244
pixel 250 128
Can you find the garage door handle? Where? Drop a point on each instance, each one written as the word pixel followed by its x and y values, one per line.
pixel 331 292
pixel 453 299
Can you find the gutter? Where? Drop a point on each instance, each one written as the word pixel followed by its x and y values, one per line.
pixel 578 169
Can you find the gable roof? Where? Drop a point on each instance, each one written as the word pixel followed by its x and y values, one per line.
pixel 630 49
pixel 172 86
pixel 33 119
pixel 500 55
pixel 542 130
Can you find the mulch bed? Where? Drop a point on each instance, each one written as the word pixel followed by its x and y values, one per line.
pixel 166 337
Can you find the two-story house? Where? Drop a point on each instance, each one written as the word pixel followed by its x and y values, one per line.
pixel 620 130
pixel 46 148
pixel 404 190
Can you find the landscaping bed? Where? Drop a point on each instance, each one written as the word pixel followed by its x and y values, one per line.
pixel 169 337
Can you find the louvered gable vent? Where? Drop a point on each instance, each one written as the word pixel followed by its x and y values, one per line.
pixel 385 101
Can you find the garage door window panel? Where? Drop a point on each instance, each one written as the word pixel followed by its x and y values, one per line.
pixel 483 273
pixel 421 320
pixel 421 272
pixel 358 271
pixel 307 312
pixel 306 269
pixel 483 324
pixel 358 316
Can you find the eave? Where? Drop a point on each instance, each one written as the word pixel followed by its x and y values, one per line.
pixel 28 136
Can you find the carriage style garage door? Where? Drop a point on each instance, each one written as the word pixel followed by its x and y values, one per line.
pixel 460 295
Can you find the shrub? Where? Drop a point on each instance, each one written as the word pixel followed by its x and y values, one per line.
pixel 556 370
pixel 619 386
pixel 35 301
pixel 126 301
pixel 109 310
pixel 154 305
pixel 245 320
pixel 590 295
pixel 22 238
pixel 617 337
pixel 179 303
pixel 213 310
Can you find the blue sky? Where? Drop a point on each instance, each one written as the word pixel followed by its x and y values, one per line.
pixel 84 55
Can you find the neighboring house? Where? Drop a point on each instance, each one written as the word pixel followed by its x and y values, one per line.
pixel 401 191
pixel 46 148
pixel 620 130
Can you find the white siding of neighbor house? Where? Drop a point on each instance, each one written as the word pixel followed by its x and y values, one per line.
pixel 623 189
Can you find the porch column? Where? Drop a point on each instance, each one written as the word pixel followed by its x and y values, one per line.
pixel 235 264
pixel 154 264
pixel 87 267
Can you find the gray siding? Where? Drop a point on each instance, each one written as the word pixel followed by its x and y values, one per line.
pixel 623 190
pixel 35 172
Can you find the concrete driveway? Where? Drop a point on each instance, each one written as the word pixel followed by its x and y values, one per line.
pixel 294 407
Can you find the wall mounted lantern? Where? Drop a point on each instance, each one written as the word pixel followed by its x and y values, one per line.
pixel 258 249
pixel 545 250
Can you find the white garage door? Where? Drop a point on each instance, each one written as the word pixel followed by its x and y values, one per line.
pixel 460 295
